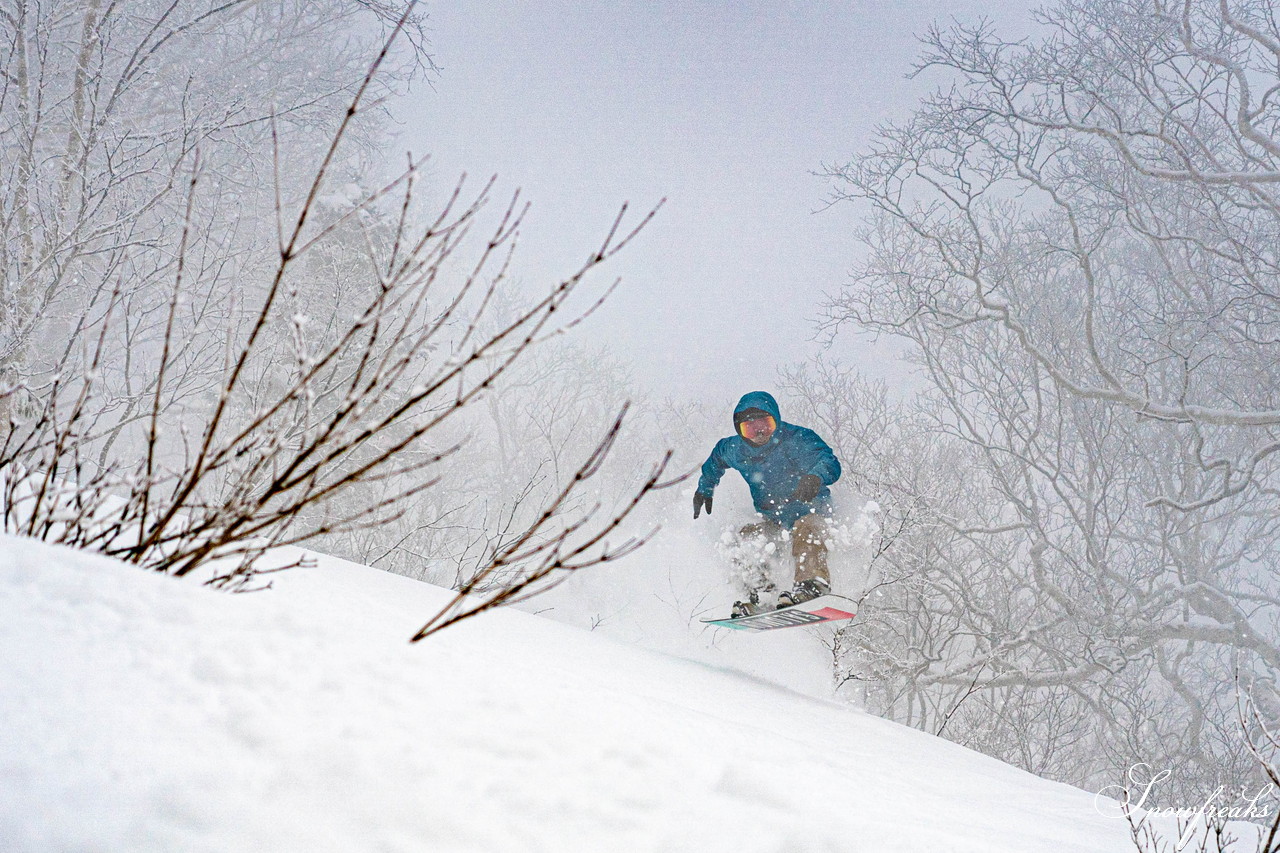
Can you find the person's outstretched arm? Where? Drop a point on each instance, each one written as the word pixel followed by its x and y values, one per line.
pixel 712 470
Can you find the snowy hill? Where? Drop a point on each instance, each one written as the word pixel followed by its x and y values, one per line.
pixel 143 713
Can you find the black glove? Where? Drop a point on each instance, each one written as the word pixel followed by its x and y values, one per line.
pixel 701 501
pixel 810 485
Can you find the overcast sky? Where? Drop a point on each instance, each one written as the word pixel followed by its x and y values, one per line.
pixel 726 109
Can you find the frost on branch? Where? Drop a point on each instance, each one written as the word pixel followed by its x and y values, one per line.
pixel 1075 238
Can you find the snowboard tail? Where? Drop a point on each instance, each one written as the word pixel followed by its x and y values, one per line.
pixel 824 608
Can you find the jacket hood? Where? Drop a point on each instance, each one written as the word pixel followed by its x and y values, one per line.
pixel 761 400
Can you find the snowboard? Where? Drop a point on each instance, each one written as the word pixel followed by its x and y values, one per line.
pixel 824 608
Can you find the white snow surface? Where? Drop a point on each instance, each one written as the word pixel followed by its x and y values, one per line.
pixel 147 713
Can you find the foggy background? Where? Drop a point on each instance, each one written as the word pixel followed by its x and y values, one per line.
pixel 1062 548
pixel 727 110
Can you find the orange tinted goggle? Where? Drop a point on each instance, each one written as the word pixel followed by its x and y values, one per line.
pixel 746 427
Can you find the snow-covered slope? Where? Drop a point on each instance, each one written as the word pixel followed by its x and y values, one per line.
pixel 139 713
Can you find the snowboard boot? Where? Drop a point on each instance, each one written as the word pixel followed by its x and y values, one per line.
pixel 752 605
pixel 804 591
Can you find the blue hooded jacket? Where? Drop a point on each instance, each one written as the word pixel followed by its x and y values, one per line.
pixel 773 470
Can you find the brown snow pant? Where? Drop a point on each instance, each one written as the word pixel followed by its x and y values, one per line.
pixel 808 544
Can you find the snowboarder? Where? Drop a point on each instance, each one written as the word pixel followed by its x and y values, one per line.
pixel 788 469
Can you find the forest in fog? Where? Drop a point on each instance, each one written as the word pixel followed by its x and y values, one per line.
pixel 234 316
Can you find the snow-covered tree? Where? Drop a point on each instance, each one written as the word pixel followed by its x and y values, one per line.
pixel 105 110
pixel 1078 235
